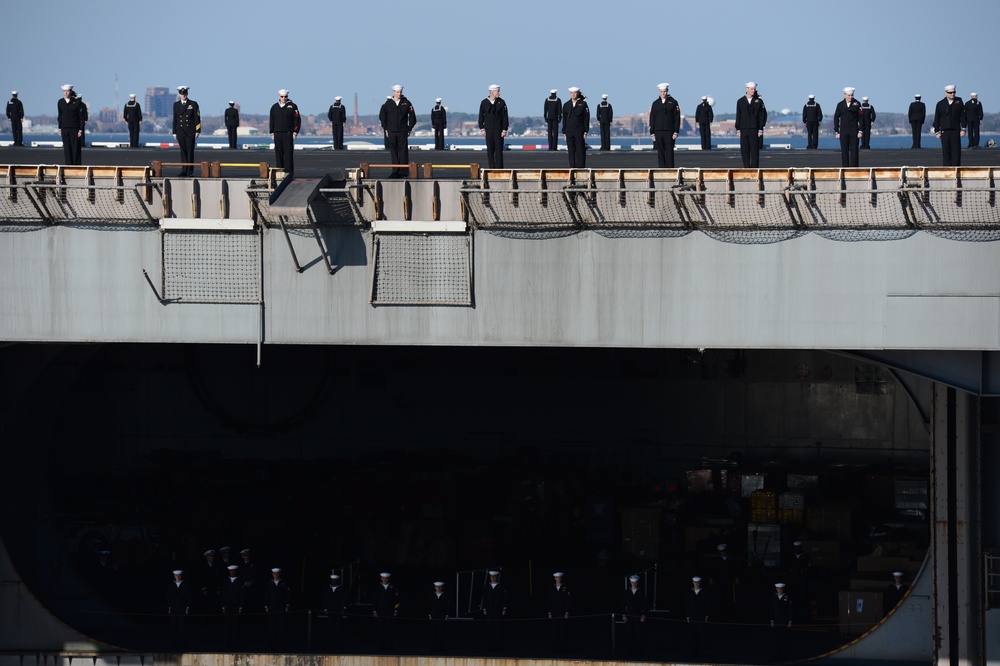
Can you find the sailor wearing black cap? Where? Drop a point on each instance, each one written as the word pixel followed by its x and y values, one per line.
pixel 338 118
pixel 917 115
pixel 232 123
pixel 552 112
pixel 70 110
pixel 847 126
pixel 439 121
pixel 576 123
pixel 493 125
pixel 132 115
pixel 187 129
pixel 812 116
pixel 398 118
pixel 284 129
pixel 664 125
pixel 949 126
pixel 15 113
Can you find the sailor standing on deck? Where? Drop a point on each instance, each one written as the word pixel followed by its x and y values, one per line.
pixel 973 116
pixel 439 121
pixel 284 129
pixel 576 122
pixel 398 118
pixel 132 114
pixel 867 120
pixel 751 117
pixel 949 126
pixel 338 118
pixel 15 113
pixel 704 116
pixel 812 116
pixel 605 114
pixel 493 125
pixel 664 126
pixel 847 125
pixel 552 113
pixel 187 129
pixel 70 124
pixel 232 123
pixel 917 115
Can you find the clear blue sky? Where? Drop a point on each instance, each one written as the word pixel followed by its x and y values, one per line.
pixel 246 51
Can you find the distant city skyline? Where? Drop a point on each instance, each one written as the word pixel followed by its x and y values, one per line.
pixel 454 50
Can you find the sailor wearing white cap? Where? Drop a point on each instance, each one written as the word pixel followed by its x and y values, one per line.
pixel 71 121
pixel 917 115
pixel 847 127
pixel 132 115
pixel 385 607
pixel 868 116
pixel 438 609
pixel 179 598
pixel 232 600
pixel 696 611
pixel 633 614
pixel 812 116
pixel 398 118
pixel 973 117
pixel 576 124
pixel 780 611
pixel 337 114
pixel 15 113
pixel 895 592
pixel 751 118
pixel 724 583
pixel 557 603
pixel 439 121
pixel 334 607
pixel 949 126
pixel 493 124
pixel 552 112
pixel 494 605
pixel 605 115
pixel 664 125
pixel 186 129
pixel 284 129
pixel 704 116
pixel 277 604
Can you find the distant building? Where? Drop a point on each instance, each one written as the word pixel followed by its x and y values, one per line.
pixel 107 115
pixel 159 102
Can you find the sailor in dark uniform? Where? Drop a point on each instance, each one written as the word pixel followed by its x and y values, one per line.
pixel 334 606
pixel 438 612
pixel 664 126
pixel 15 113
pixel 398 118
pixel 132 115
pixel 85 117
pixel 867 120
pixel 71 122
pixel 780 611
pixel 494 606
pixel 576 124
pixel 232 123
pixel 633 615
pixel 704 117
pixel 385 610
pixel 187 129
pixel 605 115
pixel 208 577
pixel 493 125
pixel 895 592
pixel 751 117
pixel 696 610
pixel 231 599
pixel 812 116
pixel 284 129
pixel 724 581
pixel 917 115
pixel 439 121
pixel 949 126
pixel 973 117
pixel 277 604
pixel 847 126
pixel 178 607
pixel 557 605
pixel 338 118
pixel 552 114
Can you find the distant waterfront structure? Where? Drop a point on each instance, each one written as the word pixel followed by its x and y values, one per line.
pixel 159 102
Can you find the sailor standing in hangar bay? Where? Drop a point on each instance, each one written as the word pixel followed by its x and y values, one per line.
pixel 187 129
pixel 15 113
pixel 664 126
pixel 232 123
pixel 576 122
pixel 552 112
pixel 70 111
pixel 398 118
pixel 284 129
pixel 847 126
pixel 812 116
pixel 751 117
pixel 132 114
pixel 338 118
pixel 493 125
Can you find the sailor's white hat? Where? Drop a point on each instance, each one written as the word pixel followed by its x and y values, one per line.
pixel 275 569
pixel 494 87
pixel 67 86
pixel 233 567
pixel 437 99
pixel 178 572
pixel 130 94
pixel 950 87
pixel 695 579
pixel 334 577
pixel 558 574
pixel 438 583
pixel 182 89
pixel 553 91
pixel 812 96
pixel 779 585
pixel 663 86
pixel 604 96
pixel 337 98
pixel 493 572
pixel 633 578
pixel 283 92
pixel 750 84
pixel 384 575
pixel 897 573
pixel 848 90
pixel 397 87
pixel 208 552
pixel 721 547
pixel 574 89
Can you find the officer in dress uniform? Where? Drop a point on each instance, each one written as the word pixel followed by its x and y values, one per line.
pixel 949 126
pixel 493 125
pixel 751 117
pixel 664 126
pixel 132 115
pixel 187 129
pixel 557 605
pixel 385 610
pixel 552 113
pixel 696 610
pixel 15 113
pixel 232 123
pixel 284 129
pixel 334 608
pixel 847 126
pixel 70 111
pixel 178 607
pixel 576 124
pixel 605 115
pixel 398 118
pixel 704 117
pixel 231 599
pixel 438 608
pixel 338 118
pixel 439 121
pixel 494 606
pixel 867 120
pixel 917 115
pixel 812 116
pixel 780 611
pixel 277 603
pixel 973 117
pixel 895 592
pixel 633 615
